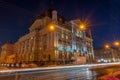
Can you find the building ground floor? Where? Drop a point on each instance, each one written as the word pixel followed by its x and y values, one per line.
pixel 48 57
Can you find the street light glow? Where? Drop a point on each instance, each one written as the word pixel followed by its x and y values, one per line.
pixel 83 27
pixel 52 27
pixel 107 46
pixel 116 43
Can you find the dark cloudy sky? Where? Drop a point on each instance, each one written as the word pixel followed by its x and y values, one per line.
pixel 16 16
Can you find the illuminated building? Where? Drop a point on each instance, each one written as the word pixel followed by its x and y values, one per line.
pixel 107 54
pixel 59 44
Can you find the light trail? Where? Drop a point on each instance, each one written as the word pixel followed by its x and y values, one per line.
pixel 55 67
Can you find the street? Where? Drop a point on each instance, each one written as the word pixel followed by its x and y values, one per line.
pixel 82 73
pixel 77 72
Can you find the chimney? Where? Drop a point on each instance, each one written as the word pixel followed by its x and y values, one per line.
pixel 54 16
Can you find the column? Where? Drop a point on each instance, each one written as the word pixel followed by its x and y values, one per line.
pixel 25 52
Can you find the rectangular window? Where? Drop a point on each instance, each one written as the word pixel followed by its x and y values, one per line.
pixel 62 35
pixel 66 36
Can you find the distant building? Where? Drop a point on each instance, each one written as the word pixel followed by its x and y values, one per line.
pixel 43 46
pixel 7 51
pixel 107 55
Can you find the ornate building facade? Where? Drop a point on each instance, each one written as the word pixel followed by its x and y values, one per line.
pixel 43 46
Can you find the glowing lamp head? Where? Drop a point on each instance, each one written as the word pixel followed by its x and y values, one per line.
pixel 82 27
pixel 107 46
pixel 116 43
pixel 51 27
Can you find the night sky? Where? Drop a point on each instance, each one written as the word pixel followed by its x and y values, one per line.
pixel 16 16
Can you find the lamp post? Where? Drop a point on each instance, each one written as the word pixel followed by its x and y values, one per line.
pixel 82 27
pixel 108 47
pixel 117 45
pixel 51 28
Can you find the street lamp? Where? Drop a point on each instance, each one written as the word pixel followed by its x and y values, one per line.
pixel 51 27
pixel 107 46
pixel 116 43
pixel 83 27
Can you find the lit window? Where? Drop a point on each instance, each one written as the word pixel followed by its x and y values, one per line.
pixel 32 49
pixel 80 34
pixel 31 37
pixel 60 47
pixel 77 33
pixel 66 37
pixel 62 35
